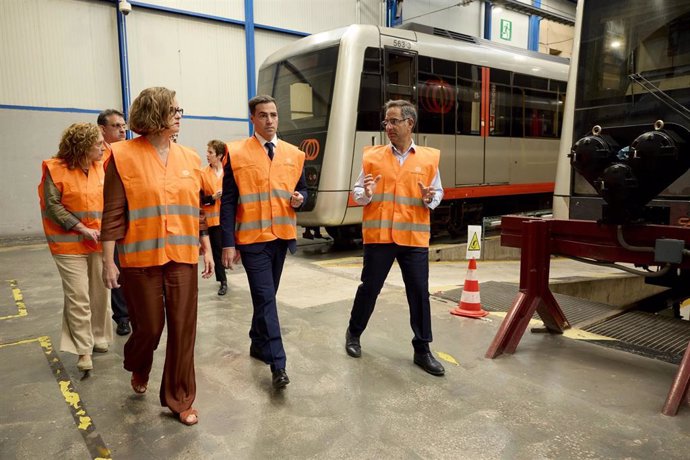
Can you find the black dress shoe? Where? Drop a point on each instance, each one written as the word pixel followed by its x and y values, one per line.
pixel 427 362
pixel 123 328
pixel 280 379
pixel 255 352
pixel 223 288
pixel 352 346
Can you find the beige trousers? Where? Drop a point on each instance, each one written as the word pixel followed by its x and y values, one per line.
pixel 86 313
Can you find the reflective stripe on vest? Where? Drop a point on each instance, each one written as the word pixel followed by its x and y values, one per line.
pixel 211 183
pixel 265 188
pixel 397 213
pixel 82 196
pixel 162 204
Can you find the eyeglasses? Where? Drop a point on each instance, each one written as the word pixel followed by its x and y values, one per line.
pixel 392 122
pixel 119 126
pixel 176 110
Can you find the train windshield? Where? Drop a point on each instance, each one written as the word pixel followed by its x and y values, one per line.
pixel 631 49
pixel 302 86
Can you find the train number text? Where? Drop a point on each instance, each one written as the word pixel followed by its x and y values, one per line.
pixel 402 44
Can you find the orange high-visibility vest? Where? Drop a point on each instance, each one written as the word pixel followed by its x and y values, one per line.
pixel 397 213
pixel 162 204
pixel 210 184
pixel 265 188
pixel 107 153
pixel 82 195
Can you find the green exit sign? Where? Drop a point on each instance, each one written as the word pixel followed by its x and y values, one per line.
pixel 506 29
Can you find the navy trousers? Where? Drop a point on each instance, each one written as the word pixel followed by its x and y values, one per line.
pixel 117 299
pixel 414 265
pixel 215 234
pixel 263 263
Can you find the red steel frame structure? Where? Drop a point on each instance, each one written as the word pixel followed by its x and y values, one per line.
pixel 539 239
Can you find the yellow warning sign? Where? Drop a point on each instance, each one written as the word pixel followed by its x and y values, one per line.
pixel 474 247
pixel 474 243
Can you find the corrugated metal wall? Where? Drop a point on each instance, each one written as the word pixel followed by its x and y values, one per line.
pixel 197 58
pixel 307 15
pixel 233 9
pixel 59 53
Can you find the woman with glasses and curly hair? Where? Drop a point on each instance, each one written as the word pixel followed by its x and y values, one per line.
pixel 152 209
pixel 71 198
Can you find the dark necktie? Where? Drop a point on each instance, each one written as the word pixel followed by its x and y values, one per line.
pixel 269 146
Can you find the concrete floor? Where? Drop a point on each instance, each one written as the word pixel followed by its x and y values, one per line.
pixel 554 398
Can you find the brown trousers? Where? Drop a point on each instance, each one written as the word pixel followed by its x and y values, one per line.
pixel 154 295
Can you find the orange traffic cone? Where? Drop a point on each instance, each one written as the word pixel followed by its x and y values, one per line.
pixel 470 303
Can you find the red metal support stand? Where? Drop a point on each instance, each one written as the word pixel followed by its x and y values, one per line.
pixel 541 238
pixel 534 292
pixel 679 390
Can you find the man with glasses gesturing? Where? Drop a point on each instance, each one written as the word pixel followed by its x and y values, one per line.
pixel 398 186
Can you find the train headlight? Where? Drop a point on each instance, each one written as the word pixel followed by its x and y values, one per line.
pixel 312 176
pixel 628 178
pixel 592 154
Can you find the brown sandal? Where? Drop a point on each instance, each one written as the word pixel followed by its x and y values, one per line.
pixel 139 383
pixel 184 416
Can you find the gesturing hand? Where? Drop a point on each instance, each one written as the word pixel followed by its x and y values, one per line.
pixel 296 199
pixel 428 193
pixel 370 184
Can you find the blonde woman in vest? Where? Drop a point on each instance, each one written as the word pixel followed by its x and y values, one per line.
pixel 263 186
pixel 212 182
pixel 71 197
pixel 152 210
pixel 398 186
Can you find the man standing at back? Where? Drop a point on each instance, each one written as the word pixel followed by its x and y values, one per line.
pixel 114 129
pixel 399 185
pixel 263 185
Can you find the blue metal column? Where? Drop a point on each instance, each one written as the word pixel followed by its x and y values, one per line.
pixel 487 20
pixel 533 31
pixel 250 51
pixel 124 65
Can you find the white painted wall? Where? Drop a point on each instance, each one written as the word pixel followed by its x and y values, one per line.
pixel 519 28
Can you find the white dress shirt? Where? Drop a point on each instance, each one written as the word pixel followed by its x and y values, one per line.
pixel 362 199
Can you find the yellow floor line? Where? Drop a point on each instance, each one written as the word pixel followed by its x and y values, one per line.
pixel 94 442
pixel 18 301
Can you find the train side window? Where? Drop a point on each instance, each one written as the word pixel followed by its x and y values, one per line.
pixel 535 111
pixel 372 61
pixel 436 94
pixel 469 99
pixel 499 103
pixel 369 104
pixel 400 70
pixel 424 64
pixel 530 81
pixel 541 115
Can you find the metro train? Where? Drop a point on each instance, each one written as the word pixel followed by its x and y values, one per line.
pixel 494 111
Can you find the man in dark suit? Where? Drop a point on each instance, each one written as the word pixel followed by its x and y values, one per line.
pixel 112 124
pixel 263 185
